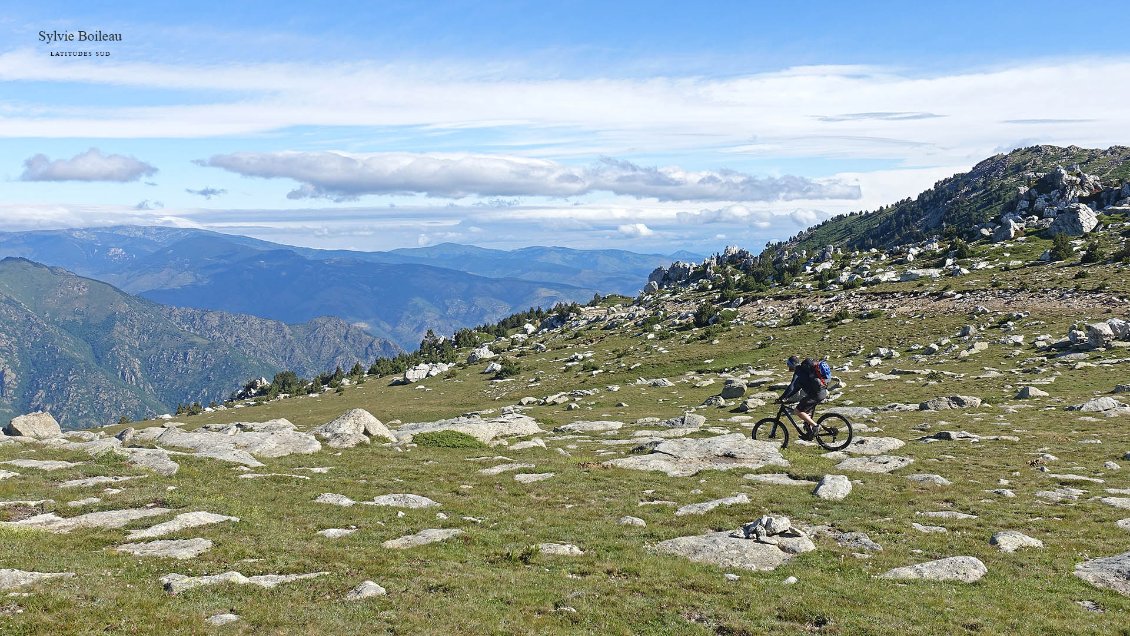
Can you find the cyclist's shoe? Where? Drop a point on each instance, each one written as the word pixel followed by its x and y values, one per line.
pixel 809 434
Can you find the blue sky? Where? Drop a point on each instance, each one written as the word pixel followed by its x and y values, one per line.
pixel 645 126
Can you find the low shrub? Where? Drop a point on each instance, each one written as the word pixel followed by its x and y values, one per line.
pixel 447 439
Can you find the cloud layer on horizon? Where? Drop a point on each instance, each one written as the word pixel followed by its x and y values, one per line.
pixel 341 177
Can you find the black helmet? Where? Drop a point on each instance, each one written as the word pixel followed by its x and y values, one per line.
pixel 793 361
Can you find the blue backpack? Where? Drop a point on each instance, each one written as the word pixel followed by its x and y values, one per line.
pixel 823 371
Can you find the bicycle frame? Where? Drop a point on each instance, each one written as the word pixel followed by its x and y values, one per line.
pixel 787 412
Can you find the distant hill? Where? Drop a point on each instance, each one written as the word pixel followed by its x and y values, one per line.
pixel 89 353
pixel 398 294
pixel 962 201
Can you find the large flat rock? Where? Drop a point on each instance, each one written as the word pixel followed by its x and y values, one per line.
pixel 275 438
pixel 875 463
pixel 168 548
pixel 1111 572
pixel 182 521
pixel 51 522
pixel 16 578
pixel 963 569
pixel 484 430
pixel 177 583
pixel 685 457
pixel 726 551
pixel 423 537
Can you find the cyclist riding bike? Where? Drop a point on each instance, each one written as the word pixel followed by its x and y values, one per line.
pixel 807 382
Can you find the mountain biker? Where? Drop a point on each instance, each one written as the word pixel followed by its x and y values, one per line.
pixel 805 380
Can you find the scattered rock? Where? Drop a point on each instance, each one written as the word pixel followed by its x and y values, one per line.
pixel 97 481
pixel 170 548
pixel 1030 392
pixel 106 519
pixel 484 430
pixel 529 478
pixel 873 445
pixel 336 533
pixel 928 529
pixel 833 487
pixel 628 520
pixel 504 468
pixel 40 464
pixel 951 402
pixel 589 427
pixel 875 464
pixel 536 442
pixel 367 589
pixel 177 583
pixel 706 506
pixel 423 537
pixel 222 619
pixel 402 501
pixel 1011 541
pixel 17 578
pixel 182 521
pixel 1108 572
pixel 335 499
pixel 929 478
pixel 1098 405
pixel 963 569
pixel 559 549
pixel 779 479
pixel 946 514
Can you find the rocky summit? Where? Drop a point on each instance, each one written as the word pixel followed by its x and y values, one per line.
pixel 602 476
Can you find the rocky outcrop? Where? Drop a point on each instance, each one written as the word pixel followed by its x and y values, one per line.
pixel 1076 220
pixel 351 428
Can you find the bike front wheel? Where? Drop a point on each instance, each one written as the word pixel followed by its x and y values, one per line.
pixel 771 430
pixel 833 432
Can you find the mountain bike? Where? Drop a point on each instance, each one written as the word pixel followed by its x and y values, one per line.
pixel 833 431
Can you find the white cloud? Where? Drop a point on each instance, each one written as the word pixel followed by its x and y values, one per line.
pixel 843 111
pixel 738 214
pixel 635 230
pixel 342 176
pixel 91 165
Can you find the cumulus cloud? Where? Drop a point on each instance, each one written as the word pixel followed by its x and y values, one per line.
pixel 91 165
pixel 635 230
pixel 341 176
pixel 735 214
pixel 206 192
pixel 149 205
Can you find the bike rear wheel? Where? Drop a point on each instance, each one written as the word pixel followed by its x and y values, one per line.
pixel 771 430
pixel 833 432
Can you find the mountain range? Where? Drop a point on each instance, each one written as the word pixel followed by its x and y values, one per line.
pixel 89 353
pixel 398 295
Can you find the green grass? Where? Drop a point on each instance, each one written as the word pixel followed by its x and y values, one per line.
pixel 490 581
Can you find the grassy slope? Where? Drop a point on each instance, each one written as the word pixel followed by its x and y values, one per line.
pixel 480 584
